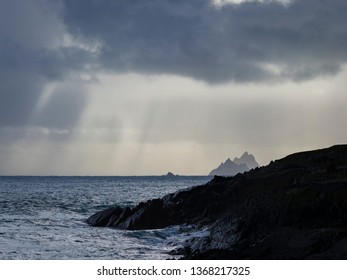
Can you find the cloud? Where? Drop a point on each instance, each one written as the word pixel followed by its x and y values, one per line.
pixel 34 52
pixel 61 108
pixel 248 42
pixel 45 41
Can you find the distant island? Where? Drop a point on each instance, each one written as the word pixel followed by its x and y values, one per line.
pixel 239 165
pixel 170 174
pixel 293 208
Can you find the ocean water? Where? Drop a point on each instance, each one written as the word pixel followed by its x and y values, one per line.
pixel 44 217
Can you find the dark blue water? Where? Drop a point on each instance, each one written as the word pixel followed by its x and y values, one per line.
pixel 44 217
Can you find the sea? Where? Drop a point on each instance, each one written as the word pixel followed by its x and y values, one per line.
pixel 44 218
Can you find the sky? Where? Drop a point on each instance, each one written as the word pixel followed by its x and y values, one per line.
pixel 145 87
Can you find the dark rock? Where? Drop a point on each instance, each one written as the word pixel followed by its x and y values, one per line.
pixel 147 216
pixel 294 208
pixel 116 219
pixel 103 218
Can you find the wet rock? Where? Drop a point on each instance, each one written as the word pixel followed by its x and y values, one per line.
pixel 294 208
pixel 148 215
pixel 102 218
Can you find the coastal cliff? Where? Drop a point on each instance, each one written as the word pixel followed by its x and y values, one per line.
pixel 294 208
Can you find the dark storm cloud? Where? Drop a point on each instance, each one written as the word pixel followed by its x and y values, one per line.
pixel 250 42
pixel 31 56
pixel 253 41
pixel 24 74
pixel 63 108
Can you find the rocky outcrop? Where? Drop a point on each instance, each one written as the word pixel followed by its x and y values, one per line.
pixel 229 168
pixel 294 208
pixel 233 167
pixel 170 174
pixel 247 159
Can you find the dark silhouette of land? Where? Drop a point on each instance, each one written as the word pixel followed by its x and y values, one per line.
pixel 232 167
pixel 294 208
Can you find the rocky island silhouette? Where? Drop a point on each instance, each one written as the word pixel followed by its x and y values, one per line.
pixel 293 208
pixel 239 165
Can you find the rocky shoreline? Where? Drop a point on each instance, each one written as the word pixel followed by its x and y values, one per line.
pixel 294 208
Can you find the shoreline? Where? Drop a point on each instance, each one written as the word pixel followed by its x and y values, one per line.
pixel 294 208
